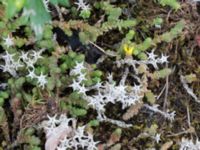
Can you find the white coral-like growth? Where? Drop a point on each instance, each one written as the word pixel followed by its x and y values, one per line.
pixel 82 5
pixel 152 59
pixel 8 41
pixel 186 144
pixel 157 137
pixel 28 60
pixel 41 79
pixel 61 135
pixel 111 92
pixel 11 64
pixel 3 86
pixel 167 115
pixel 106 92
pixel 31 57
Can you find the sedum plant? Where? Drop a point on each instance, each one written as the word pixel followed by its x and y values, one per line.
pixel 174 4
pixel 47 77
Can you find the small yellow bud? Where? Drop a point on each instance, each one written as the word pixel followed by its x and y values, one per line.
pixel 128 49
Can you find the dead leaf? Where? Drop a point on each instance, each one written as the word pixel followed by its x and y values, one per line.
pixel 167 145
pixel 115 137
pixel 132 111
pixel 58 134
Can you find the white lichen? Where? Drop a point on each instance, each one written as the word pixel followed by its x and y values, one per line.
pixel 110 92
pixel 8 41
pixel 187 144
pixel 60 135
pixel 82 5
pixel 12 63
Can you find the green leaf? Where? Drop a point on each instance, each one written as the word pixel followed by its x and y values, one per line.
pixel 172 3
pixel 93 123
pixel 84 37
pixel 19 4
pixel 1 101
pixel 78 111
pixel 61 2
pixel 11 9
pixel 19 82
pixel 39 17
pixel 85 14
pixel 150 97
pixel 33 140
pixel 146 44
pixel 51 83
pixel 2 25
pixel 163 73
pixel 2 116
pixel 4 94
pixel 30 131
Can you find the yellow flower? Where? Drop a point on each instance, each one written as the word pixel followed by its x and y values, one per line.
pixel 128 49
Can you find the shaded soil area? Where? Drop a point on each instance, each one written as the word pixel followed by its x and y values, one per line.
pixel 184 59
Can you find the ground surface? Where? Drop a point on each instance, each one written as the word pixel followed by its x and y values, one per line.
pixel 184 59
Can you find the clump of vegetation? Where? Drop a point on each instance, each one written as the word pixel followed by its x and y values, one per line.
pixel 72 70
